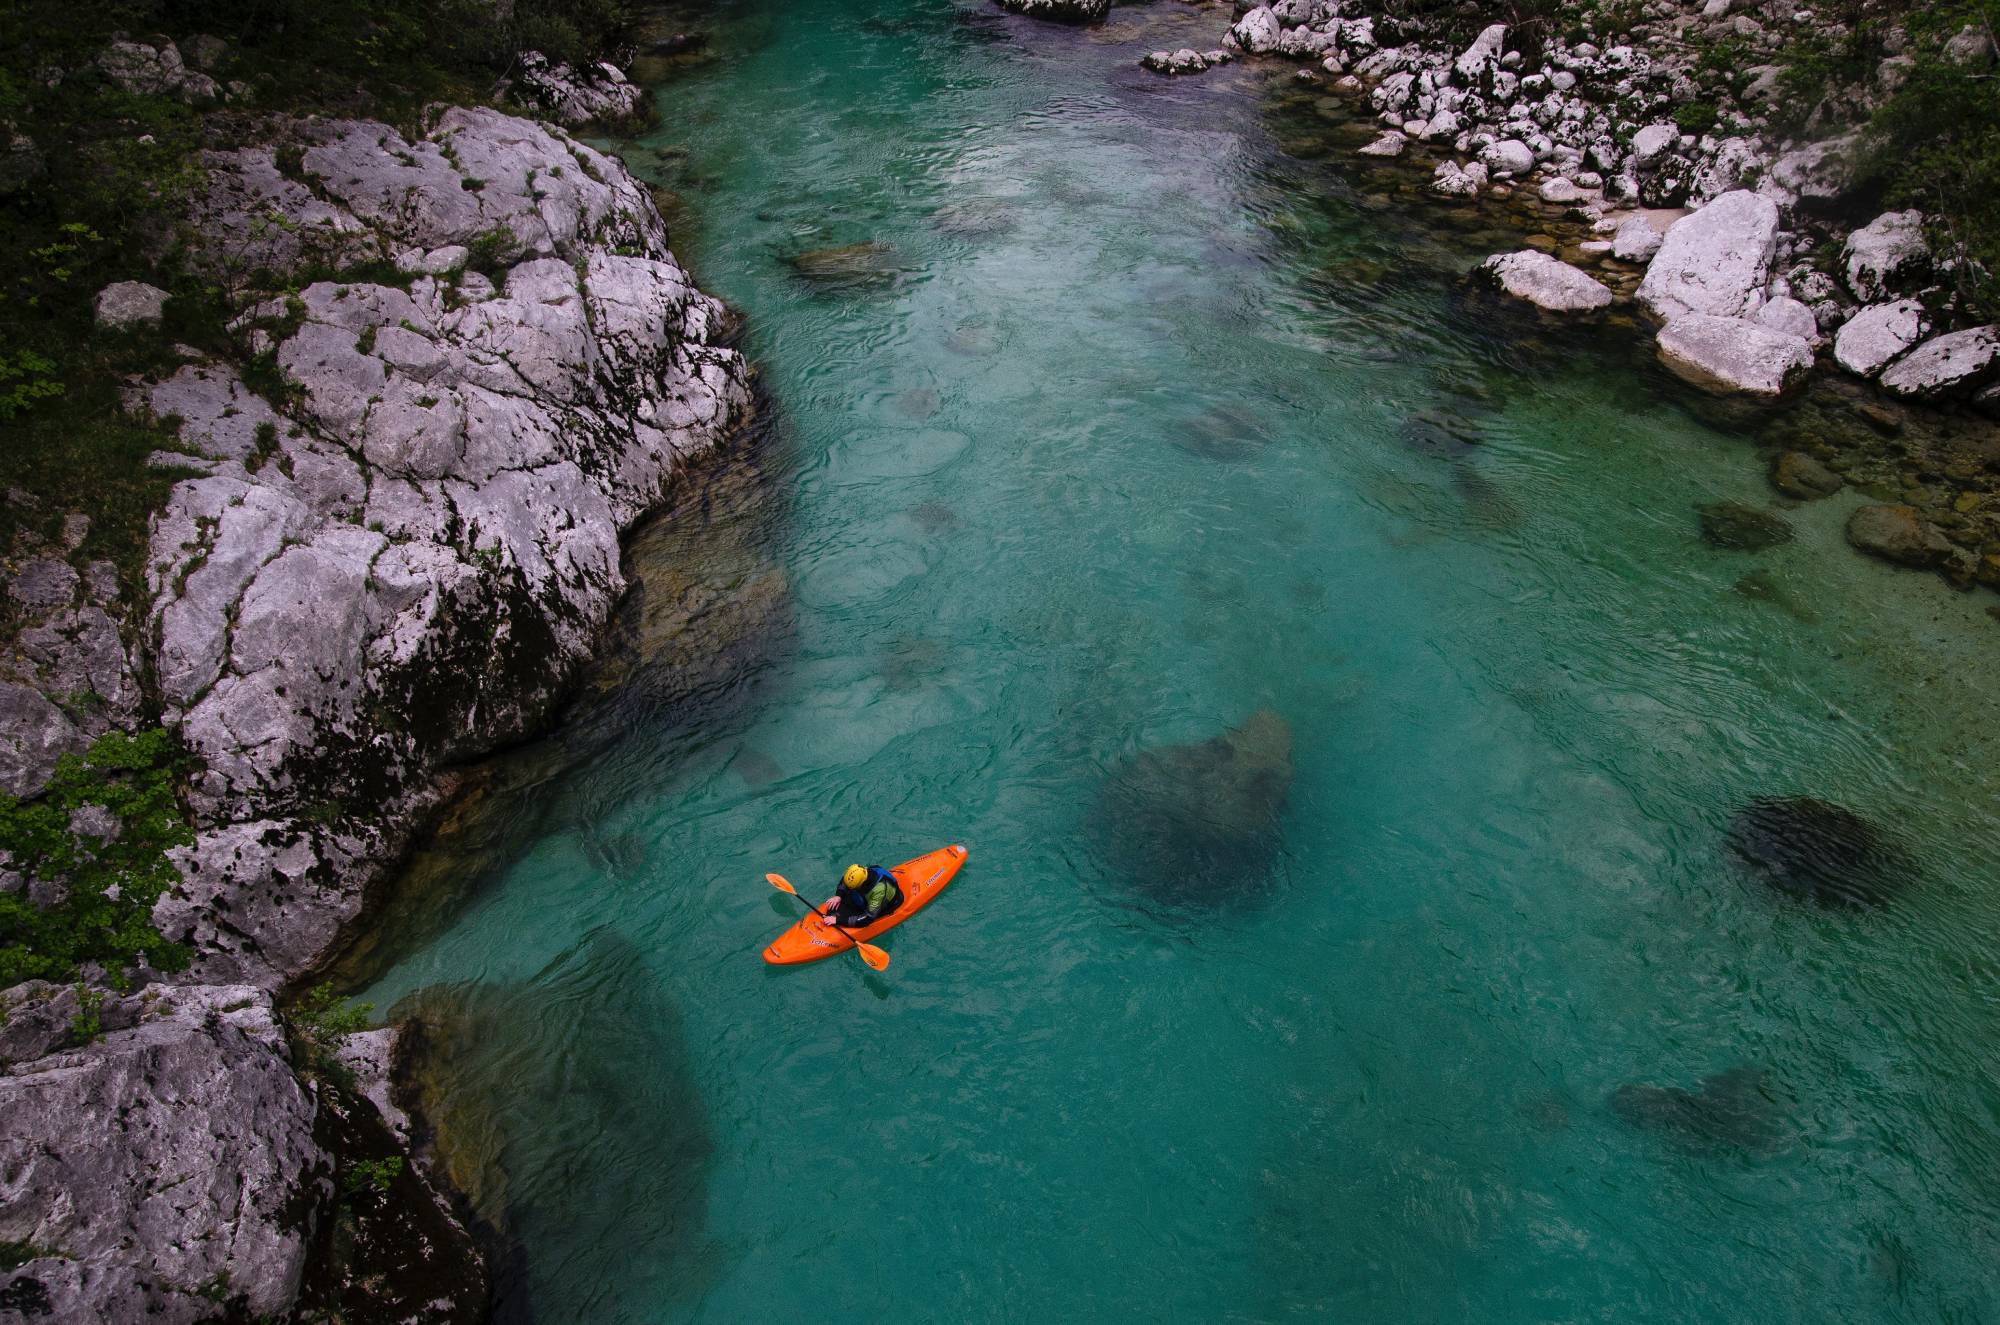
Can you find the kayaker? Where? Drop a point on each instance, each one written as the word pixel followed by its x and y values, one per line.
pixel 866 894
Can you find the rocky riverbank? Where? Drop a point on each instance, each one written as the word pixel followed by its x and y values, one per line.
pixel 460 362
pixel 1745 218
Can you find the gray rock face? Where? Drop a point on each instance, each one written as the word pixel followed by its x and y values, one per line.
pixel 123 305
pixel 1061 11
pixel 155 71
pixel 432 529
pixel 1715 261
pixel 598 94
pixel 1887 254
pixel 1730 355
pixel 170 1158
pixel 70 676
pixel 1955 364
pixel 1636 240
pixel 1876 336
pixel 1549 284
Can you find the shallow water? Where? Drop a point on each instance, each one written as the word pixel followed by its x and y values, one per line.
pixel 1151 426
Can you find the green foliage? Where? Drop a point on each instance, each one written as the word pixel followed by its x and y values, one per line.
pixel 320 1020
pixel 380 1174
pixel 1934 143
pixel 13 1255
pixel 1696 117
pixel 88 1023
pixel 25 377
pixel 109 885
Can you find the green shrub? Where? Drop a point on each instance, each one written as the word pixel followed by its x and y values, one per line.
pixel 1696 117
pixel 381 1174
pixel 108 885
pixel 320 1020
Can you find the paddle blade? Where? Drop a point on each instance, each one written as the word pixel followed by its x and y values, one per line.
pixel 876 958
pixel 781 883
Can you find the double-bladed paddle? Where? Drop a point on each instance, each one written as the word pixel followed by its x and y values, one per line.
pixel 874 956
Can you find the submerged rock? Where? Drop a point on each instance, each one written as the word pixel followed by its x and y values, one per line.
pixel 1741 528
pixel 1803 477
pixel 1729 1111
pixel 1900 534
pixel 848 268
pixel 1226 432
pixel 1817 851
pixel 1198 823
pixel 1440 432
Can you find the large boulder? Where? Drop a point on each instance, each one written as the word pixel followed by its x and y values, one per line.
pixel 1729 355
pixel 1888 255
pixel 1508 158
pixel 125 305
pixel 1899 534
pixel 149 69
pixel 166 1163
pixel 1258 31
pixel 1715 261
pixel 1955 364
pixel 1061 11
pixel 1482 58
pixel 1878 335
pixel 1548 283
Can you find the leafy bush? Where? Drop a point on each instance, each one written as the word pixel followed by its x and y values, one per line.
pixel 107 885
pixel 380 1174
pixel 320 1020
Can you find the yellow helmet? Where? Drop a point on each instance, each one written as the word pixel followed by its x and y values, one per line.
pixel 855 876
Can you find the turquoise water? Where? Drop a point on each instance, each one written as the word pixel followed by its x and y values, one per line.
pixel 1133 445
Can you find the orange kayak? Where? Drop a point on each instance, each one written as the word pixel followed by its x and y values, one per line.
pixel 921 880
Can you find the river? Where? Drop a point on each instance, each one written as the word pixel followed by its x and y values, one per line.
pixel 1137 425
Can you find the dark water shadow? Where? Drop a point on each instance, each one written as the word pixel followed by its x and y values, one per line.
pixel 564 1108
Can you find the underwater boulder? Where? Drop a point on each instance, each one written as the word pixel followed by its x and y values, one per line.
pixel 850 268
pixel 1731 1110
pixel 1818 852
pixel 1738 527
pixel 1199 822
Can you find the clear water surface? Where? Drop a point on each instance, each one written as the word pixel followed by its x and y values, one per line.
pixel 1135 444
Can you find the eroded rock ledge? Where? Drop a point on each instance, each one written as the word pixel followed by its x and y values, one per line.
pixel 400 543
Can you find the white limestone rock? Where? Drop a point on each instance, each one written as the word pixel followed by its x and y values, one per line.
pixel 124 305
pixel 1637 239
pixel 1728 355
pixel 1887 255
pixel 156 70
pixel 167 1158
pixel 1715 261
pixel 1452 179
pixel 1507 158
pixel 1388 145
pixel 595 94
pixel 432 529
pixel 1878 335
pixel 1955 364
pixel 1786 314
pixel 1061 11
pixel 1258 31
pixel 1482 58
pixel 1549 284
